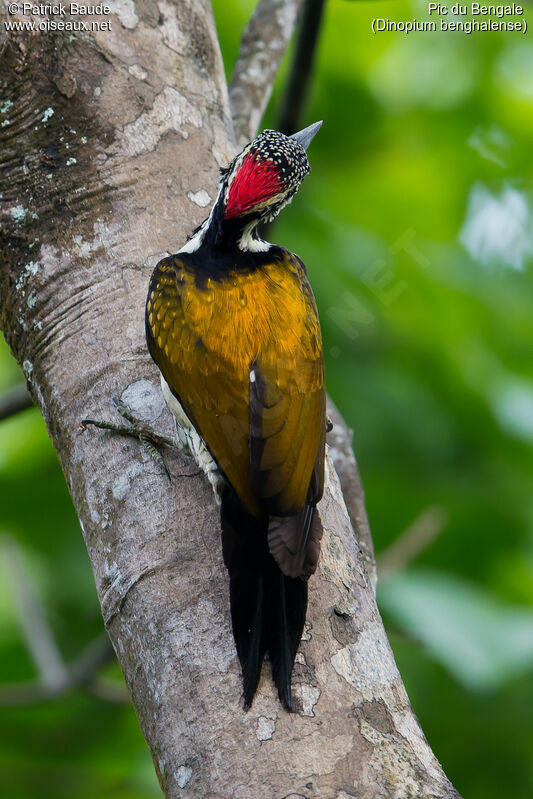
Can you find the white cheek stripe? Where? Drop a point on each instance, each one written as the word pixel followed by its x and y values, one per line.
pixel 195 242
pixel 247 243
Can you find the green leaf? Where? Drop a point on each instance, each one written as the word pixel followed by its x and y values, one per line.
pixel 482 641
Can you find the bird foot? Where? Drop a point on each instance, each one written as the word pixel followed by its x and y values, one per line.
pixel 147 436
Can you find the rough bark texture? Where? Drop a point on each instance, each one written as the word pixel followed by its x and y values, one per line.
pixel 341 452
pixel 250 87
pixel 108 159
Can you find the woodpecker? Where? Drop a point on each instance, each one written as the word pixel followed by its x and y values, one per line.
pixel 232 324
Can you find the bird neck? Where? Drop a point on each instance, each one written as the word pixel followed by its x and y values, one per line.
pixel 238 233
pixel 219 233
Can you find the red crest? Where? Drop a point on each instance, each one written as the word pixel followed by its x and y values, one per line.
pixel 255 182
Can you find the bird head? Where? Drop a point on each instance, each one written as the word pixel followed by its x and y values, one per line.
pixel 266 174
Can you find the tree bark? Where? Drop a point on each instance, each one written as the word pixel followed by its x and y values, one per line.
pixel 251 83
pixel 109 158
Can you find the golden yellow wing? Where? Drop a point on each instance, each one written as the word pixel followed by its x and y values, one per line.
pixel 242 353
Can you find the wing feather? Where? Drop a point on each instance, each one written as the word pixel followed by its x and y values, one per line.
pixel 251 383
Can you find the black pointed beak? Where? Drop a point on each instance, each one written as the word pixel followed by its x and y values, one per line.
pixel 304 137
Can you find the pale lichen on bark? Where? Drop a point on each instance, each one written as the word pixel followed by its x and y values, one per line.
pixel 145 115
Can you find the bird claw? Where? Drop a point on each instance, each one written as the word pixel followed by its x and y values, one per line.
pixel 151 449
pixel 146 435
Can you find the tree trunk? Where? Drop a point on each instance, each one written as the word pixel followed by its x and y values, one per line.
pixel 109 151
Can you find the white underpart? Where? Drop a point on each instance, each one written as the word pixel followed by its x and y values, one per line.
pixel 189 440
pixel 252 376
pixel 247 243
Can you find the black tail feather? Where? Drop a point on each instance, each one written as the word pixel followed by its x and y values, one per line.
pixel 267 609
pixel 285 620
pixel 247 599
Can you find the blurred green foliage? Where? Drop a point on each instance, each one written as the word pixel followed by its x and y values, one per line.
pixel 417 230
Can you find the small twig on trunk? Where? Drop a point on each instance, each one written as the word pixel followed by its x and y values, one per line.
pixel 15 400
pixel 262 48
